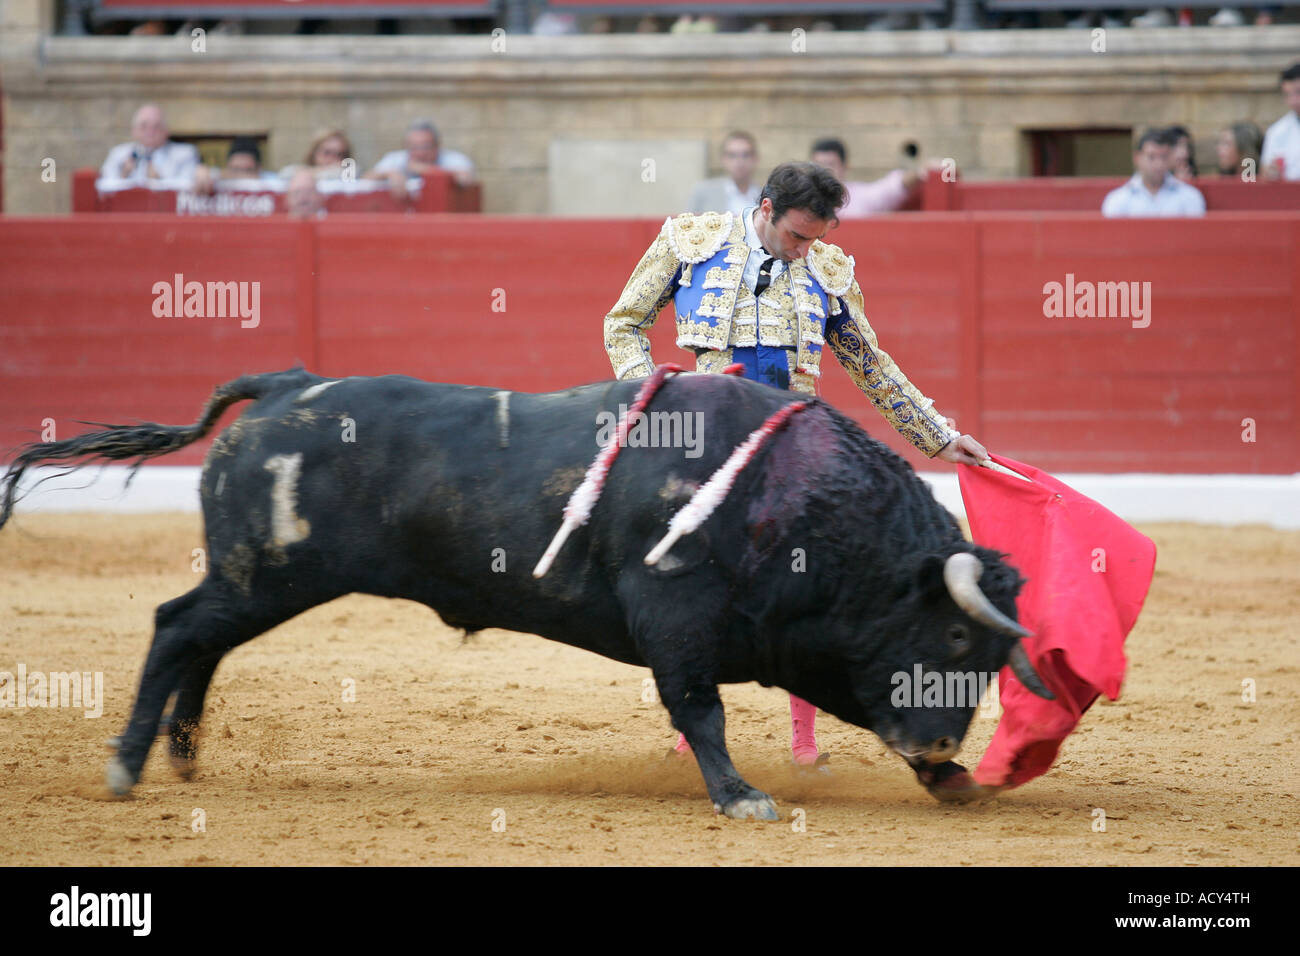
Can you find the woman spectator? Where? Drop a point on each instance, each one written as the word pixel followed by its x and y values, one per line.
pixel 329 157
pixel 1237 144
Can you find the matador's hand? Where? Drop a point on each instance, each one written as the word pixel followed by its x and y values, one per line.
pixel 964 451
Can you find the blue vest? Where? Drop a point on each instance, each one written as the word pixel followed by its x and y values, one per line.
pixel 705 304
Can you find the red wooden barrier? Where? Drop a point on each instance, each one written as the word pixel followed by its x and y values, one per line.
pixel 440 193
pixel 517 302
pixel 1084 194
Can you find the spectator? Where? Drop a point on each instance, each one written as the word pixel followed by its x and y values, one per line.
pixel 1281 154
pixel 1112 18
pixel 1227 17
pixel 1154 190
pixel 1182 159
pixel 865 199
pixel 151 154
pixel 687 23
pixel 243 161
pixel 329 157
pixel 302 199
pixel 737 190
pixel 1238 145
pixel 423 152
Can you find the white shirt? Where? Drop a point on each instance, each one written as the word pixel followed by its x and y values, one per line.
pixel 399 159
pixel 1282 141
pixel 757 255
pixel 1173 198
pixel 170 160
pixel 736 200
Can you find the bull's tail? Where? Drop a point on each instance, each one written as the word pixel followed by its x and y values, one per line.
pixel 145 440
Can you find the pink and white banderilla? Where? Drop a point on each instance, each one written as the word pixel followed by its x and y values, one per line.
pixel 584 497
pixel 712 493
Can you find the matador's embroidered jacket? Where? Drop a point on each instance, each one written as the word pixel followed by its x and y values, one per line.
pixel 697 262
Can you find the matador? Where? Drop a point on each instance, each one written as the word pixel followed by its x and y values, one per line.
pixel 762 290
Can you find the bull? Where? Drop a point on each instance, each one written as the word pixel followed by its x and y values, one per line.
pixel 402 488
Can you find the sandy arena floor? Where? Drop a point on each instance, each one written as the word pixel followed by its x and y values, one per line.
pixel 448 735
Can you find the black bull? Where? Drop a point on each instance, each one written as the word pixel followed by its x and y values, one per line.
pixel 828 570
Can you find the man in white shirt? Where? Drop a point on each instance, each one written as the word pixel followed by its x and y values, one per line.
pixel 150 154
pixel 1281 155
pixel 737 189
pixel 1154 190
pixel 423 151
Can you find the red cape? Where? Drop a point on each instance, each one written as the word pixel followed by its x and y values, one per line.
pixel 1088 573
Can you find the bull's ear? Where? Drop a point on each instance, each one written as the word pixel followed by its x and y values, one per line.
pixel 929 574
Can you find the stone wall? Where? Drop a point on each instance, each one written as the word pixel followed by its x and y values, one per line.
pixel 961 95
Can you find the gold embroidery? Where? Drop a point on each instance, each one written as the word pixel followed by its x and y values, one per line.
pixel 720 278
pixel 831 267
pixel 648 290
pixel 777 321
pixel 716 306
pixel 713 362
pixel 694 238
pixel 803 382
pixel 693 334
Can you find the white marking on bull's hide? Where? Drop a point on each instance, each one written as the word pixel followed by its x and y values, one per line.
pixel 286 527
pixel 221 483
pixel 675 488
pixel 503 419
pixel 311 392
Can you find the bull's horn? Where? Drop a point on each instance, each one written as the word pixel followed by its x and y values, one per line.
pixel 1024 670
pixel 961 573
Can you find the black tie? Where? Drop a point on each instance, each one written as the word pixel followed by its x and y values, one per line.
pixel 764 276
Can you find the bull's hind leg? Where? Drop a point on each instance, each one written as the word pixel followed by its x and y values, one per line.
pixel 183 726
pixel 191 634
pixel 696 710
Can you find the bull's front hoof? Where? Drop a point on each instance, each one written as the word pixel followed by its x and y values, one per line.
pixel 758 807
pixel 960 788
pixel 184 766
pixel 119 779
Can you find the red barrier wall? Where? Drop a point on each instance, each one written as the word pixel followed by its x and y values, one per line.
pixel 517 302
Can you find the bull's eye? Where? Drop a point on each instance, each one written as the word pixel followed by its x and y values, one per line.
pixel 958 637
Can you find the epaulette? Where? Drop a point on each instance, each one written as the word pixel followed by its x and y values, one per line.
pixel 695 238
pixel 831 267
